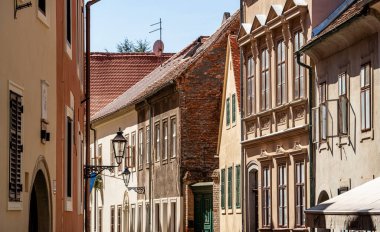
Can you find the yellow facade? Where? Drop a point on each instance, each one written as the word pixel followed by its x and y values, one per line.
pixel 28 69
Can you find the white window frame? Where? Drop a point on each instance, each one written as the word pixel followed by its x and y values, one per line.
pixel 68 200
pixel 165 131
pixel 68 45
pixel 173 137
pixel 157 141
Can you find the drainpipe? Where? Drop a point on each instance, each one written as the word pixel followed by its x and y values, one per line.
pixel 150 165
pixel 242 156
pixel 87 181
pixel 96 163
pixel 311 151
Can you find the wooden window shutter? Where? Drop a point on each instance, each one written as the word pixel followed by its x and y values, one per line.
pixel 223 188
pixel 230 187
pixel 15 146
pixel 237 184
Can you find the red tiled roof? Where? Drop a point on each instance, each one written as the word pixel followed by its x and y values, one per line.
pixel 235 52
pixel 170 70
pixel 113 73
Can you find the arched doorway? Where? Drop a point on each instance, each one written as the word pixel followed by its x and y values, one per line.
pixel 39 208
pixel 126 212
pixel 253 197
pixel 323 196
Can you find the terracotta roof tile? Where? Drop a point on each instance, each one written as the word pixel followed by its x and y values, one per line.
pixel 164 75
pixel 235 52
pixel 113 73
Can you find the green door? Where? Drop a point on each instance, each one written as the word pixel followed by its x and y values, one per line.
pixel 203 212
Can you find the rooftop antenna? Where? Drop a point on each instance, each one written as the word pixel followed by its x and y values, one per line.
pixel 158 46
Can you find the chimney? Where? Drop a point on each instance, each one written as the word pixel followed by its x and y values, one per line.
pixel 226 15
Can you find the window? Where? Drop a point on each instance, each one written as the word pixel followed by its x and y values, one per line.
pixel 147 219
pixel 281 73
pixel 147 144
pixel 128 154
pixel 173 216
pixel 15 146
pixel 299 72
pixel 223 188
pixel 100 219
pixel 233 99
pixel 68 22
pixel 266 197
pixel 100 154
pixel 112 157
pixel 343 103
pixel 173 128
pixel 157 223
pixel 237 187
pixel 42 6
pixel 265 80
pixel 365 96
pixel 119 218
pixel 228 113
pixel 157 141
pixel 112 218
pixel 300 193
pixel 166 145
pixel 282 195
pixel 140 218
pixel 323 112
pixel 133 218
pixel 140 148
pixel 229 199
pixel 133 149
pixel 250 86
pixel 69 156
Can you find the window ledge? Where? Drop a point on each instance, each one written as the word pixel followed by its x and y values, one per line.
pixel 68 204
pixel 14 205
pixel 43 18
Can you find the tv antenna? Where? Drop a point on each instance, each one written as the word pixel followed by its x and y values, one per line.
pixel 158 46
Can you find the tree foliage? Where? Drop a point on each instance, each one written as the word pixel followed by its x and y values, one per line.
pixel 139 46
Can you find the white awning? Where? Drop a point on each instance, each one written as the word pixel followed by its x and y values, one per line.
pixel 357 209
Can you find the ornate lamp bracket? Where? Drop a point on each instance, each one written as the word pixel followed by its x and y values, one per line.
pixel 91 169
pixel 138 190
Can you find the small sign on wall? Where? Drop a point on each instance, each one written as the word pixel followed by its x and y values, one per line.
pixel 44 95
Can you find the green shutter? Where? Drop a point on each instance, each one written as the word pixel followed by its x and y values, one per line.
pixel 223 188
pixel 228 112
pixel 233 108
pixel 237 186
pixel 230 187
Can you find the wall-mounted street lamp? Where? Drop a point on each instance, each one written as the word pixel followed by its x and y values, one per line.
pixel 126 176
pixel 119 147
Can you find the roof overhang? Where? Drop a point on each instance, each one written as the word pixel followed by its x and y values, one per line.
pixel 357 209
pixel 361 25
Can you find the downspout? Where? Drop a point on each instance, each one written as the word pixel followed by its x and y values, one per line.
pixel 87 181
pixel 311 151
pixel 96 163
pixel 150 165
pixel 242 156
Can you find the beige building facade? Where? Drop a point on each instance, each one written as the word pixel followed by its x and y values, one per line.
pixel 113 207
pixel 346 57
pixel 228 202
pixel 275 114
pixel 27 116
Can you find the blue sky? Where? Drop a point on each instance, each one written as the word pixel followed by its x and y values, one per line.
pixel 183 21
